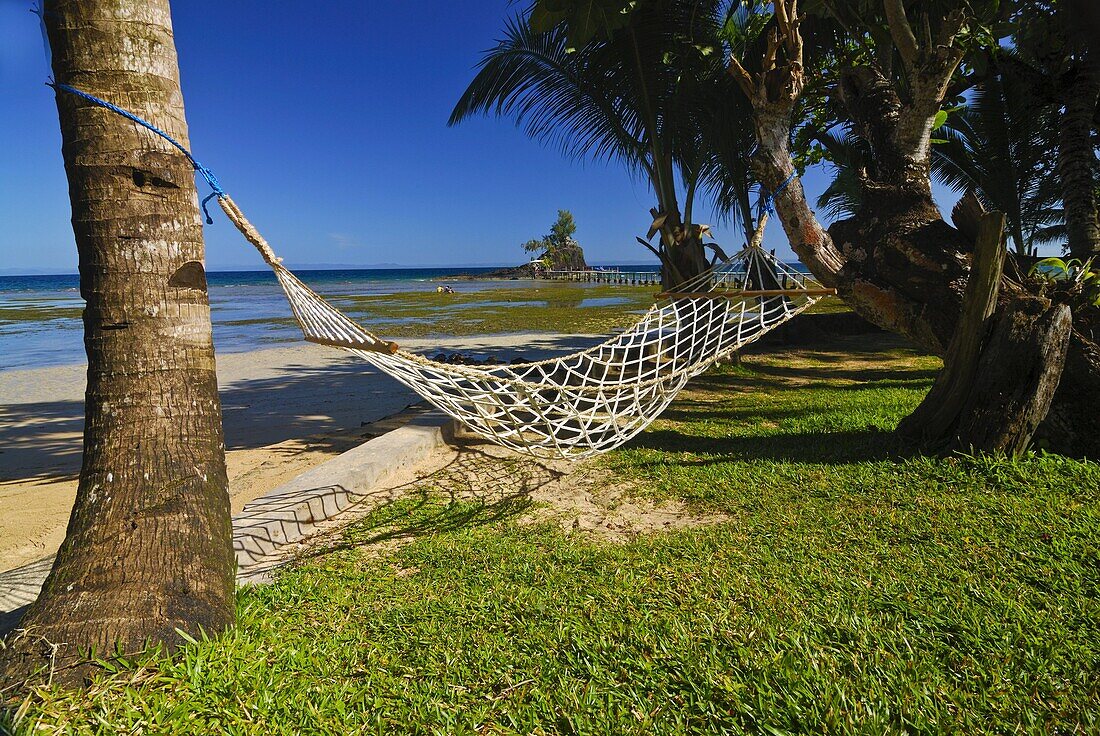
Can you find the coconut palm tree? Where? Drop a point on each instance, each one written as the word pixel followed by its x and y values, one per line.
pixel 147 556
pixel 1057 55
pixel 651 93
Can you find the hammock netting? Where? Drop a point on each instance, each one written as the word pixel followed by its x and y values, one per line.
pixel 587 402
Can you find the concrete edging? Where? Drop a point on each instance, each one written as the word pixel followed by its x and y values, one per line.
pixel 285 515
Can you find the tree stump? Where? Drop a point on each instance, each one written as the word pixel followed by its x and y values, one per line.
pixel 1016 378
pixel 1000 373
pixel 933 420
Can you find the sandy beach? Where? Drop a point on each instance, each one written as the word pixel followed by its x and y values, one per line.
pixel 286 409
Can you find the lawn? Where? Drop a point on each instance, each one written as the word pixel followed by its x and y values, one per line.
pixel 850 587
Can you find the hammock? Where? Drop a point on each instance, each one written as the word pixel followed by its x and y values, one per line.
pixel 576 405
pixel 591 401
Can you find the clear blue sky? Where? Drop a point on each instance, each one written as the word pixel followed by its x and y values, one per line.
pixel 327 123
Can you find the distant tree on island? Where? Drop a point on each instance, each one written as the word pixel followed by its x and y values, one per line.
pixel 558 249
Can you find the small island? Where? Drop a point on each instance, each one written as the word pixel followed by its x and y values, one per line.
pixel 555 251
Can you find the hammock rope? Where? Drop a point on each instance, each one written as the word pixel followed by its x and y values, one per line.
pixel 575 405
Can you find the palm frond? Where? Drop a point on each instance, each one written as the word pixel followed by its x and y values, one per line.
pixel 1000 146
pixel 555 95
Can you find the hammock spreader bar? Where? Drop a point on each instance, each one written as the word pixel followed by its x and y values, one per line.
pixel 738 294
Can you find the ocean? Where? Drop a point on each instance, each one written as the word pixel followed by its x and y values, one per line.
pixel 40 321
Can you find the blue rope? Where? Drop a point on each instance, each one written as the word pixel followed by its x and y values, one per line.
pixel 767 201
pixel 206 173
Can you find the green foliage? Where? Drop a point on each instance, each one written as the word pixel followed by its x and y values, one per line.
pixel 562 231
pixel 584 19
pixel 842 586
pixel 848 155
pixel 651 91
pixel 1074 277
pixel 999 146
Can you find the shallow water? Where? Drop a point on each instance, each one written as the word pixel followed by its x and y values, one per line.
pixel 40 321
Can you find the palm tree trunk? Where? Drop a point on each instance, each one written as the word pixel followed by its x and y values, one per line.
pixel 148 547
pixel 1077 163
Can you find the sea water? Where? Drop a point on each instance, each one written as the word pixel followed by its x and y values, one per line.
pixel 40 316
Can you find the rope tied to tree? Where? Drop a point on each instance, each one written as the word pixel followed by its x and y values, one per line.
pixel 206 173
pixel 767 200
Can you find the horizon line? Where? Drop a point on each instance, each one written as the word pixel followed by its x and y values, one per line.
pixel 231 268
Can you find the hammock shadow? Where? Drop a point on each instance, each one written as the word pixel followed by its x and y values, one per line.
pixel 304 400
pixel 482 485
pixel 298 402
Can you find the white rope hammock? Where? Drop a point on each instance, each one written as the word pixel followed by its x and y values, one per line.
pixel 588 402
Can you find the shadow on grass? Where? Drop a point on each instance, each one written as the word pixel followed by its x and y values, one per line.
pixel 478 488
pixel 793 413
pixel 864 377
pixel 759 376
pixel 799 447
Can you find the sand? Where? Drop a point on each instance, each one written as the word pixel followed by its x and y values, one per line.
pixel 286 410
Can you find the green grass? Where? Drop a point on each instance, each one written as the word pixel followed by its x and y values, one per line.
pixel 854 587
pixel 829 305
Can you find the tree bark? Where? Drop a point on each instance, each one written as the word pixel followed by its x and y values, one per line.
pixel 773 93
pixel 1077 164
pixel 148 546
pixel 689 260
pixel 937 415
pixel 1000 374
pixel 683 256
pixel 1016 378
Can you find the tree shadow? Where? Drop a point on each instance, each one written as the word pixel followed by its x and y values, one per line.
pixel 863 377
pixel 841 447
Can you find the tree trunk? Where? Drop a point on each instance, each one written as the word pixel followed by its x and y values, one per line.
pixel 1072 426
pixel 1077 165
pixel 897 263
pixel 934 420
pixel 682 253
pixel 148 546
pixel 997 384
pixel 1016 378
pixel 689 260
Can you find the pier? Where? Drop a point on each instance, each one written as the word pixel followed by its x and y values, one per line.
pixel 731 280
pixel 632 278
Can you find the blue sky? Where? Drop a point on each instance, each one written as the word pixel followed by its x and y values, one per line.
pixel 327 124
